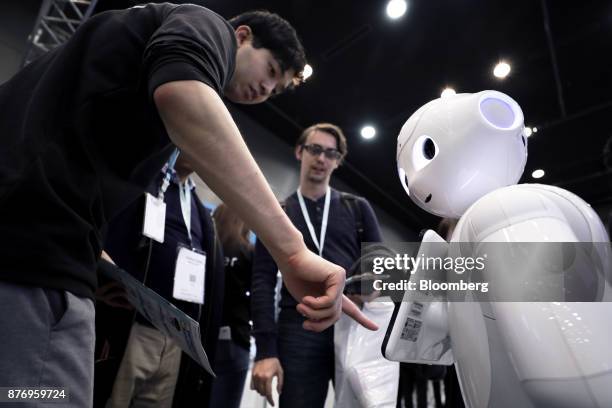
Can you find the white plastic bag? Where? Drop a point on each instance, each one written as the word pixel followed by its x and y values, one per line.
pixel 364 378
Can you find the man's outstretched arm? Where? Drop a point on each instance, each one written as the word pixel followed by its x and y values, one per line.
pixel 200 125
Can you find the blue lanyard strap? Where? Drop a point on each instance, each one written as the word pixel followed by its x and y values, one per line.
pixel 168 175
pixel 185 195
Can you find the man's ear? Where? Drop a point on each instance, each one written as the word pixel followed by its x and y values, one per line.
pixel 298 152
pixel 243 34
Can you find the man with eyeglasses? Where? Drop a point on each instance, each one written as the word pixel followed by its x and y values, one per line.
pixel 303 361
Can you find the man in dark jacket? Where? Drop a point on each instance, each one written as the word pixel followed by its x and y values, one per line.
pixel 150 365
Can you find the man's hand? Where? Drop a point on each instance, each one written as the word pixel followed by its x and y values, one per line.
pixel 114 295
pixel 263 373
pixel 317 284
pixel 104 255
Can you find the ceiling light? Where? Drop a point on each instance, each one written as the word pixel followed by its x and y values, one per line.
pixel 501 70
pixel 538 174
pixel 447 92
pixel 396 8
pixel 527 131
pixel 307 72
pixel 368 132
pixel 535 130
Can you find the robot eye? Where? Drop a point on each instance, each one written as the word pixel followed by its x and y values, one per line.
pixel 424 151
pixel 429 149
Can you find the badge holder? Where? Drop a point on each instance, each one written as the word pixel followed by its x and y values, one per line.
pixel 189 275
pixel 154 224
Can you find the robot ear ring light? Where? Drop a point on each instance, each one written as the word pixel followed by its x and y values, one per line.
pixel 553 363
pixel 500 111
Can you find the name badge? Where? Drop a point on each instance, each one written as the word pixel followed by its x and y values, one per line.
pixel 189 275
pixel 154 218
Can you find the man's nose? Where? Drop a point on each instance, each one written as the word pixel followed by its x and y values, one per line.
pixel 266 87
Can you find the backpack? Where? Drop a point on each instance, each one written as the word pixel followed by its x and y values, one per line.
pixel 350 201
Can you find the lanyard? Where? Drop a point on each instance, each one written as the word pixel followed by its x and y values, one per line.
pixel 168 176
pixel 323 222
pixel 185 194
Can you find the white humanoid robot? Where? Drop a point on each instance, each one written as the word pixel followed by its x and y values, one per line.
pixel 461 157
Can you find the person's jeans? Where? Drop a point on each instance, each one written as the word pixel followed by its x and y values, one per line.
pixel 231 367
pixel 307 359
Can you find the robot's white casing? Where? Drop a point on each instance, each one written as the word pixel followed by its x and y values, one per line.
pixel 507 354
pixel 534 354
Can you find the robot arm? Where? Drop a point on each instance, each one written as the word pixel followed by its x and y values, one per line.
pixel 538 244
pixel 557 353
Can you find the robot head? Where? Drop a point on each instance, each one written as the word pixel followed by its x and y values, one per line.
pixel 456 149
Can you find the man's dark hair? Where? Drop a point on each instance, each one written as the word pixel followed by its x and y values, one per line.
pixel 273 32
pixel 329 128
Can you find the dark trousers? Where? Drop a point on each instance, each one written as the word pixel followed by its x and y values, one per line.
pixel 231 367
pixel 415 378
pixel 307 359
pixel 454 399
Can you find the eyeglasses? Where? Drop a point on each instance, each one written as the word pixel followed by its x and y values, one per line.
pixel 315 150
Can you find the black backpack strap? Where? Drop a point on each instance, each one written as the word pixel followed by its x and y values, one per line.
pixel 354 208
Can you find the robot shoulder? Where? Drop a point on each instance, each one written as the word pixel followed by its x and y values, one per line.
pixel 531 212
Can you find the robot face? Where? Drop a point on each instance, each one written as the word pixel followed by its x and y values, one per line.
pixel 456 149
